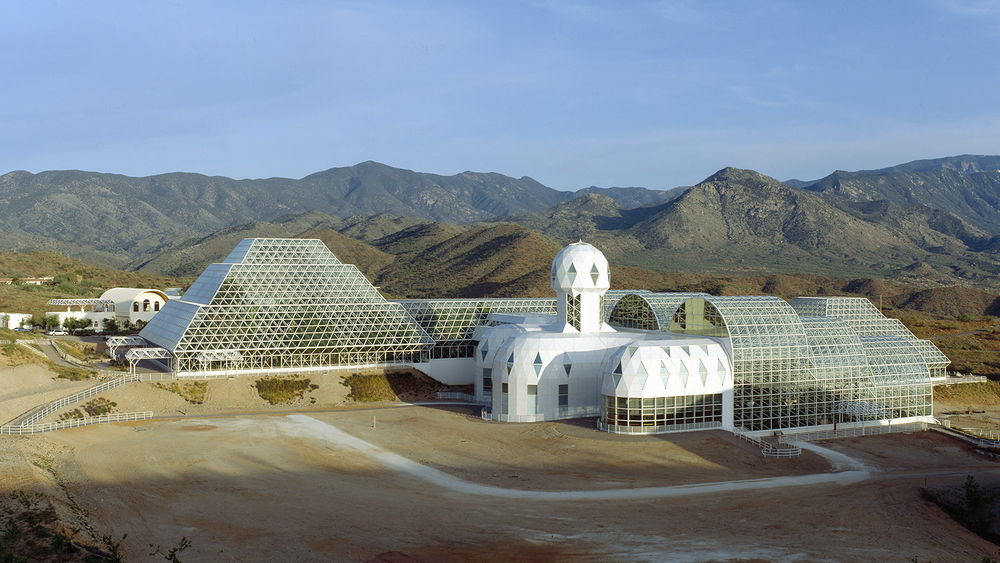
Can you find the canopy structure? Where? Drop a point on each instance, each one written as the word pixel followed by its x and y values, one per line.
pixel 98 304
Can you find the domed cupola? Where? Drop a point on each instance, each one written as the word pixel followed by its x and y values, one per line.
pixel 580 276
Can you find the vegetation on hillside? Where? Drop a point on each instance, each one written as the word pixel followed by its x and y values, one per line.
pixel 193 392
pixel 984 394
pixel 395 385
pixel 71 279
pixel 278 391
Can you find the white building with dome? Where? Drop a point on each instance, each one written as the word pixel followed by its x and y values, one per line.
pixel 639 361
pixel 575 364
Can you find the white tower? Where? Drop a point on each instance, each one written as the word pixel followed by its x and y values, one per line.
pixel 580 277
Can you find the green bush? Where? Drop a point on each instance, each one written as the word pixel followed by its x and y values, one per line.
pixel 281 391
pixel 370 387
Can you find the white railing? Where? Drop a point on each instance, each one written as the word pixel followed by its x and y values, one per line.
pixel 57 349
pixel 768 449
pixel 32 349
pixel 455 396
pixel 572 412
pixel 852 432
pixel 40 412
pixel 75 422
pixel 662 429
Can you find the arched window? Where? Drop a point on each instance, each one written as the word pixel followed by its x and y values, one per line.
pixel 145 305
pixel 156 306
pixel 135 306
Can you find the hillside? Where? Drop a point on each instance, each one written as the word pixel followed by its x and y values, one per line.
pixel 492 261
pixel 967 186
pixel 122 221
pixel 72 278
pixel 743 221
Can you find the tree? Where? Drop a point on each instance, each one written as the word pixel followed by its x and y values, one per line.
pixel 52 322
pixel 76 324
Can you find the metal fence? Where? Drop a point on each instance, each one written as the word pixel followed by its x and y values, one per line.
pixel 57 349
pixel 851 432
pixel 663 429
pixel 571 412
pixel 768 449
pixel 455 396
pixel 74 422
pixel 34 415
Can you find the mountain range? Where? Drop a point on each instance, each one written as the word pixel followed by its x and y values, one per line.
pixel 121 220
pixel 932 223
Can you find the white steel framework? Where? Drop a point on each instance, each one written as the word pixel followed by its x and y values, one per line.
pixel 277 305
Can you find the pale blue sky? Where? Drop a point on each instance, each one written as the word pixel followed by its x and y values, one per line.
pixel 573 94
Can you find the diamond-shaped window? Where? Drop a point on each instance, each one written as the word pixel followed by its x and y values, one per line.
pixel 538 363
pixel 595 273
pixel 483 349
pixel 571 273
pixel 510 363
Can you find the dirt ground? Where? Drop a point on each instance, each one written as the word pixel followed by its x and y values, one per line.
pixel 266 488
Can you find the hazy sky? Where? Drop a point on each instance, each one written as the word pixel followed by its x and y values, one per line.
pixel 573 94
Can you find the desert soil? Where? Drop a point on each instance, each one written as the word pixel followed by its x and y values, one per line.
pixel 264 487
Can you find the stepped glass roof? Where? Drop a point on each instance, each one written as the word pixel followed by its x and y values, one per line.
pixel 281 305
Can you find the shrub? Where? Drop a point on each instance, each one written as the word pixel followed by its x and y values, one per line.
pixel 370 387
pixel 280 391
pixel 193 392
pixel 99 406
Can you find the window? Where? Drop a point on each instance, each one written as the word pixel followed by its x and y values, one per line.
pixel 662 411
pixel 488 380
pixel 532 406
pixel 156 306
pixel 145 305
pixel 503 398
pixel 135 306
pixel 564 399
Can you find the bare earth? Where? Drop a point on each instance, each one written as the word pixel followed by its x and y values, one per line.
pixel 287 487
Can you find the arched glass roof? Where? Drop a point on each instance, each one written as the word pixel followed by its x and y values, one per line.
pixel 648 311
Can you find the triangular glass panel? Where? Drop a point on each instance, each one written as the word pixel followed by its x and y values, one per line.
pixel 683 372
pixel 616 378
pixel 703 372
pixel 567 366
pixel 618 369
pixel 642 380
pixel 538 363
pixel 483 349
pixel 595 273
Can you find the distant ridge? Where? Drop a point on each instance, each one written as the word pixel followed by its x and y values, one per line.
pixel 967 186
pixel 125 221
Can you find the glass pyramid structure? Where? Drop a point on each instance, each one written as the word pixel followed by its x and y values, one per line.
pixel 277 305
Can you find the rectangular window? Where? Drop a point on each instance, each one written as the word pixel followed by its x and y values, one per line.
pixel 563 399
pixel 488 380
pixel 503 398
pixel 532 406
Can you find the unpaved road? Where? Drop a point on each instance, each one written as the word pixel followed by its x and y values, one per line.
pixel 270 488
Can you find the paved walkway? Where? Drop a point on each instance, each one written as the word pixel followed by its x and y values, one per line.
pixel 846 470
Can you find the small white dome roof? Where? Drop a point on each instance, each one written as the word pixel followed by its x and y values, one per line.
pixel 580 266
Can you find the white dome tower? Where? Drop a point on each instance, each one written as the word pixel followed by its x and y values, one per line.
pixel 580 277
